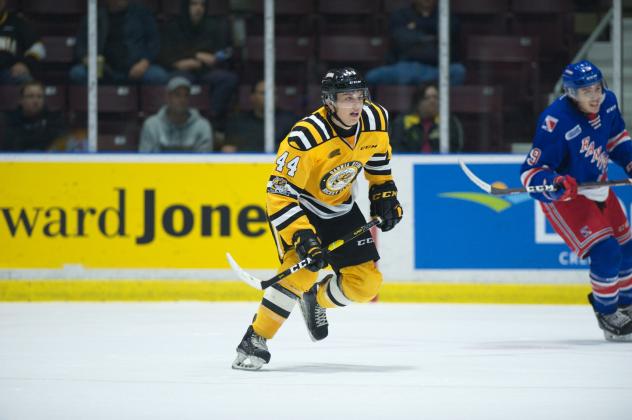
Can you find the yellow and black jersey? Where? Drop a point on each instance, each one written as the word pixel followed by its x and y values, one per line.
pixel 315 170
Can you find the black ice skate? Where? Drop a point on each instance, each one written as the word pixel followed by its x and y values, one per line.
pixel 252 352
pixel 627 310
pixel 616 326
pixel 314 314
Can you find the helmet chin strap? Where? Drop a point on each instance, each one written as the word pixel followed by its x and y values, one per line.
pixel 335 118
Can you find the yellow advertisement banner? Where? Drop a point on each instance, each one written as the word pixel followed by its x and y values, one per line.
pixel 134 214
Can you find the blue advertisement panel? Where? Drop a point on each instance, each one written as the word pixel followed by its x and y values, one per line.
pixel 458 226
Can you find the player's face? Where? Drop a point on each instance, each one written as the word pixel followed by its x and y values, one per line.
pixel 589 98
pixel 349 106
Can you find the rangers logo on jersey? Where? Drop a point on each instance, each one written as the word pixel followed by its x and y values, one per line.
pixel 549 123
pixel 340 177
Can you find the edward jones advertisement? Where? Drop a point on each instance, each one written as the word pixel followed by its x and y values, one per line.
pixel 133 214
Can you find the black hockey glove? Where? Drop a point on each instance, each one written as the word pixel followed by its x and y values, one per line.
pixel 307 244
pixel 385 205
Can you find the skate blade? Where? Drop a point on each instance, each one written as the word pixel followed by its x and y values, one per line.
pixel 245 362
pixel 617 338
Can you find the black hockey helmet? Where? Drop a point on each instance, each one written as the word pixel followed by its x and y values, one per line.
pixel 341 80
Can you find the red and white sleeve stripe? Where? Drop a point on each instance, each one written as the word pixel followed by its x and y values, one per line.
pixel 526 176
pixel 617 140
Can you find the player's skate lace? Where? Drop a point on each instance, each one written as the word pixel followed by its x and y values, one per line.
pixel 320 316
pixel 315 315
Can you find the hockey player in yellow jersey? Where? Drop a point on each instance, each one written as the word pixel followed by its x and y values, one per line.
pixel 311 203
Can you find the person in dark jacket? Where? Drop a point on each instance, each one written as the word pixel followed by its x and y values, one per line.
pixel 245 131
pixel 128 45
pixel 199 47
pixel 414 33
pixel 21 50
pixel 32 127
pixel 418 131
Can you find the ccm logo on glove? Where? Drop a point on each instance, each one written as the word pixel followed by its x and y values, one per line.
pixel 385 205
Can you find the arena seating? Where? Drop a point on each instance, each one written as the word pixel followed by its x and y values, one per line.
pixel 288 97
pixel 517 47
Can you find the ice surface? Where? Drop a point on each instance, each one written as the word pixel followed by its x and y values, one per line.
pixel 156 361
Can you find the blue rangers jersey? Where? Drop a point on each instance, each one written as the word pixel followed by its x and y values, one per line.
pixel 570 142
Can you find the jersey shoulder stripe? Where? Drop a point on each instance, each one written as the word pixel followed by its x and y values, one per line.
pixel 302 138
pixel 318 128
pixel 310 131
pixel 383 112
pixel 323 125
pixel 374 117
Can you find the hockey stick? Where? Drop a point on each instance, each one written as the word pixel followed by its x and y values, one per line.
pixel 490 189
pixel 264 284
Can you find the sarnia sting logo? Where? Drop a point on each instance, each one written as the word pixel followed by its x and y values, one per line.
pixel 340 177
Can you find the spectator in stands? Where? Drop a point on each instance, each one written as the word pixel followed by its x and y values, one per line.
pixel 415 48
pixel 198 47
pixel 21 50
pixel 32 127
pixel 176 127
pixel 245 131
pixel 418 131
pixel 128 45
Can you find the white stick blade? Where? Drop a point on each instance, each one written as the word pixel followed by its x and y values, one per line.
pixel 243 275
pixel 476 180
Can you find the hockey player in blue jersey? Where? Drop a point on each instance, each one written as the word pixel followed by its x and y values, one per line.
pixel 575 137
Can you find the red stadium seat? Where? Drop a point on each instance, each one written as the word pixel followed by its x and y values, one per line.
pixel 287 48
pixel 118 136
pixel 291 17
pixel 111 99
pixel 507 60
pixel 349 17
pixel 480 108
pixel 395 99
pixel 351 49
pixel 54 7
pixel 54 17
pixel 476 99
pixel 479 7
pixel 552 21
pixel 294 58
pixel 288 98
pixel 59 49
pixel 59 58
pixel 117 143
pixel 511 62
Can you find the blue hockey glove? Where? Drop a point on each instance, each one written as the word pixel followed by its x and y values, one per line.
pixel 384 204
pixel 307 244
